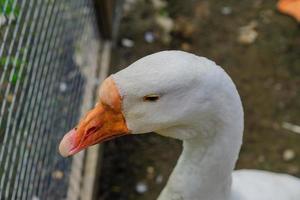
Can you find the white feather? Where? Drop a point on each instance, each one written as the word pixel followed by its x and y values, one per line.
pixel 199 105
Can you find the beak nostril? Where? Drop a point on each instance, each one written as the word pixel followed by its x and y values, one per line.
pixel 91 130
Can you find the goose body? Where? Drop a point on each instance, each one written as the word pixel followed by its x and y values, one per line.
pixel 183 96
pixel 264 185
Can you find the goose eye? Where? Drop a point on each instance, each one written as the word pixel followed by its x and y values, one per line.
pixel 151 97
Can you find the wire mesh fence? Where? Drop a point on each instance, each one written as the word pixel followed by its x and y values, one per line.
pixel 41 90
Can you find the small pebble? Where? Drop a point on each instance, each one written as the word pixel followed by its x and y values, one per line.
pixel 226 10
pixel 159 179
pixel 288 155
pixel 127 42
pixel 291 127
pixel 248 34
pixel 35 198
pixel 141 187
pixel 150 172
pixel 149 37
pixel 57 174
pixel 63 87
pixel 166 23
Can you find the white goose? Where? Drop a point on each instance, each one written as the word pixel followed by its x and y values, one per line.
pixel 183 96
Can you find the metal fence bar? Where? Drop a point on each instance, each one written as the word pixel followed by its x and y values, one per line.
pixel 41 88
pixel 10 52
pixel 93 155
pixel 19 113
pixel 29 166
pixel 38 126
pixel 10 108
pixel 43 128
pixel 16 186
pixel 3 152
pixel 34 89
pixel 75 98
pixel 10 20
pixel 83 172
pixel 47 126
pixel 9 151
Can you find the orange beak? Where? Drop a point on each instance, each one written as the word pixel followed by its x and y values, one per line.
pixel 104 122
pixel 290 7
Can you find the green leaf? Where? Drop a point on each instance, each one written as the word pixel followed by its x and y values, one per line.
pixel 15 78
pixel 2 61
pixel 11 61
pixel 9 8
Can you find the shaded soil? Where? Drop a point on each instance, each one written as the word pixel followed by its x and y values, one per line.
pixel 266 72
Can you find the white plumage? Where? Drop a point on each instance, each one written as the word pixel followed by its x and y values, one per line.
pixel 199 105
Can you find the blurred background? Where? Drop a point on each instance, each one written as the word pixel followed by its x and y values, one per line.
pixel 259 48
pixel 54 54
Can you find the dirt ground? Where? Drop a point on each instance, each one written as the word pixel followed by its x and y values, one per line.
pixel 256 45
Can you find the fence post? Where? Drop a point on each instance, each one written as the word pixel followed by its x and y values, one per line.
pixel 96 56
pixel 86 165
pixel 104 13
pixel 94 63
pixel 93 156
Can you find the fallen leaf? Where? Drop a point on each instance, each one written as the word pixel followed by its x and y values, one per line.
pixel 248 34
pixel 57 174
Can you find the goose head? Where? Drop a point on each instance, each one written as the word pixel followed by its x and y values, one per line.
pixel 172 93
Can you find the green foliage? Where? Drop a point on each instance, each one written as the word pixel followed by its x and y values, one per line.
pixel 12 61
pixel 6 8
pixel 15 77
pixel 163 12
